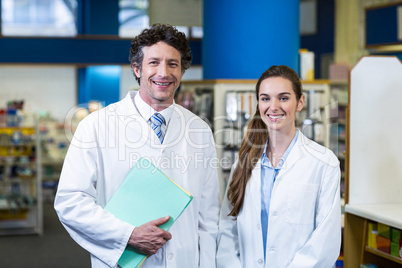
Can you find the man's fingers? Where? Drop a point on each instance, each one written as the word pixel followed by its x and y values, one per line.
pixel 167 236
pixel 160 221
pixel 149 238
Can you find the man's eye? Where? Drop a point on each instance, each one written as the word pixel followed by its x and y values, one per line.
pixel 174 65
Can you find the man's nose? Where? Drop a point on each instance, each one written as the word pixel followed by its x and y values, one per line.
pixel 163 70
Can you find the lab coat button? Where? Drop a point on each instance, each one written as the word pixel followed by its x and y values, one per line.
pixel 258 226
pixel 260 261
pixel 170 257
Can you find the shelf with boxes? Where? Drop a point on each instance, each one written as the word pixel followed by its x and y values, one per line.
pixel 54 144
pixel 219 101
pixel 20 181
pixel 339 103
pixel 384 240
pixel 314 119
pixel 240 108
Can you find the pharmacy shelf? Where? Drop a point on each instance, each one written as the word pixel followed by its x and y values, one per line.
pixel 20 193
pixel 383 255
pixel 389 214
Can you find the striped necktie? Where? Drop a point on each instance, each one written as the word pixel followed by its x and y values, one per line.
pixel 157 120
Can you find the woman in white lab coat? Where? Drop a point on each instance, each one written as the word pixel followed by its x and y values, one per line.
pixel 282 204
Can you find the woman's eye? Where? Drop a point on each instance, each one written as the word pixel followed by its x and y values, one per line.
pixel 284 98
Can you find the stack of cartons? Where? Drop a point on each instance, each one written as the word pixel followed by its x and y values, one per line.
pixel 384 238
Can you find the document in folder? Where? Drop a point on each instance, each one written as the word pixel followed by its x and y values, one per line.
pixel 146 194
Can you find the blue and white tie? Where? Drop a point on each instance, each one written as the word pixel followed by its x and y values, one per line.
pixel 157 120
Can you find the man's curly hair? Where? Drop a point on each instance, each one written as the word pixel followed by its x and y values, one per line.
pixel 160 33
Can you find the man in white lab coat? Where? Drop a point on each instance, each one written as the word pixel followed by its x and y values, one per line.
pixel 148 124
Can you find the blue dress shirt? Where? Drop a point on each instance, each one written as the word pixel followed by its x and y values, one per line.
pixel 268 177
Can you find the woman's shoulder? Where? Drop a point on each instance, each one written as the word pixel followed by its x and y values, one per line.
pixel 317 151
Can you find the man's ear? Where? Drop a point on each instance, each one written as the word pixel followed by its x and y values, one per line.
pixel 137 71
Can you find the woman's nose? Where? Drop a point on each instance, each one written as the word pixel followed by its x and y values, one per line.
pixel 274 104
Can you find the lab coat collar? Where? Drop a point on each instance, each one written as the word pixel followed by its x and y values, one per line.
pixel 146 111
pixel 175 120
pixel 295 154
pixel 128 105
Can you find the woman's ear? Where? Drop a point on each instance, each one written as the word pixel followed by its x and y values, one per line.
pixel 300 104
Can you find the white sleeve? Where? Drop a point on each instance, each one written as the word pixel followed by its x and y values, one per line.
pixel 323 247
pixel 92 227
pixel 228 254
pixel 209 212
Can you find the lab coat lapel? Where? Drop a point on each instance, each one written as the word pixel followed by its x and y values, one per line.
pixel 255 189
pixel 130 114
pixel 175 129
pixel 295 155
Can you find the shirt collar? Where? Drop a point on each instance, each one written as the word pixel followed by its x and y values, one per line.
pixel 147 111
pixel 265 160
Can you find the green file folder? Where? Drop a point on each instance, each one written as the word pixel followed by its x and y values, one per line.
pixel 146 194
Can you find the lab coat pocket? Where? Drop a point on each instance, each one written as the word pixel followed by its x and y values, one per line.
pixel 301 203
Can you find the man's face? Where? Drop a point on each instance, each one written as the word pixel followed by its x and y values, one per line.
pixel 160 75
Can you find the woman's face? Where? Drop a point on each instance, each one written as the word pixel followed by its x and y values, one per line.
pixel 278 104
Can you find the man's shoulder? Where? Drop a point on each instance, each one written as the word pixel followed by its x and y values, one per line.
pixel 191 117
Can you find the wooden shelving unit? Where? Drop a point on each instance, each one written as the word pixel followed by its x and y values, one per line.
pixel 373 180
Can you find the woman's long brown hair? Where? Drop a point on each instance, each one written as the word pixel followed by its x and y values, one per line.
pixel 254 140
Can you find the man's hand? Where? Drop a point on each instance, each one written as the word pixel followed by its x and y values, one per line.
pixel 149 238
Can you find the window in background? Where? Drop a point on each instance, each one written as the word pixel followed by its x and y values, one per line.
pixel 38 17
pixel 197 32
pixel 133 17
pixel 308 17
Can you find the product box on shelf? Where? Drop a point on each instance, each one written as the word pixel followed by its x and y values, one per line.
pixel 395 235
pixel 384 244
pixel 384 230
pixel 372 235
pixel 395 248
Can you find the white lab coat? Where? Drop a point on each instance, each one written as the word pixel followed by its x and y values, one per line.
pixel 105 147
pixel 304 226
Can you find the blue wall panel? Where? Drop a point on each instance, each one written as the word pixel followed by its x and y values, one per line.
pixel 242 40
pixel 99 17
pixel 72 50
pixel 381 26
pixel 100 83
pixel 64 50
